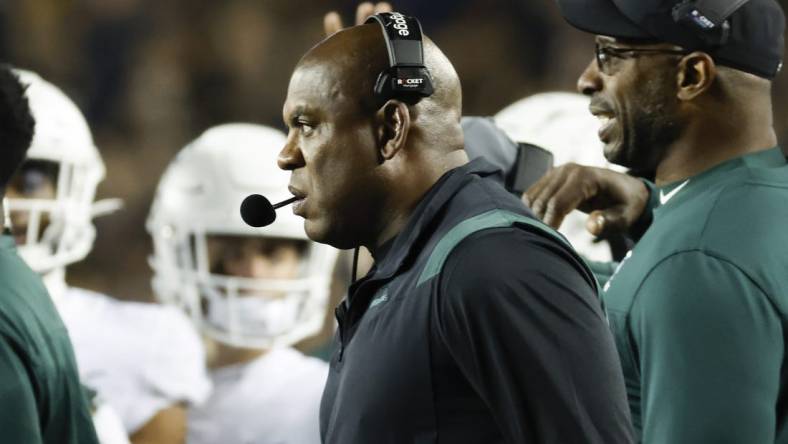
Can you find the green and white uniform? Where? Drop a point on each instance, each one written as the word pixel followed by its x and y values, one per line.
pixel 41 399
pixel 699 308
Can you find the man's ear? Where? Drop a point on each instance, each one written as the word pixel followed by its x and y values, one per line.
pixel 393 126
pixel 697 72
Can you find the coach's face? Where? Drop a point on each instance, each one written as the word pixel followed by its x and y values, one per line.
pixel 633 91
pixel 331 151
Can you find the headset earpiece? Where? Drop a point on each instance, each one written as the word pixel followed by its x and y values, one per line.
pixel 406 77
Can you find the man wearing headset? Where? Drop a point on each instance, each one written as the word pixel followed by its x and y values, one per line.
pixel 477 324
pixel 699 307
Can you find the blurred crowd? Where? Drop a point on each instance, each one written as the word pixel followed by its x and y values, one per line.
pixel 151 75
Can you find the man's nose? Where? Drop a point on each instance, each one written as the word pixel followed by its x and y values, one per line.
pixel 291 156
pixel 590 81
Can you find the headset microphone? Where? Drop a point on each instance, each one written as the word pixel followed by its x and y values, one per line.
pixel 257 211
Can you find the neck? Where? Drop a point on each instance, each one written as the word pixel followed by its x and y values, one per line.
pixel 435 166
pixel 710 142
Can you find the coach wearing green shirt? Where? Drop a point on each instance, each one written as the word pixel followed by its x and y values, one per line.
pixel 41 400
pixel 699 308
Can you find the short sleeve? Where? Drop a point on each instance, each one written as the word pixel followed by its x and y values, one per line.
pixel 710 348
pixel 139 357
pixel 175 372
pixel 527 330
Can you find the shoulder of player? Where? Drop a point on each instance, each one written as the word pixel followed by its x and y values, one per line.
pixel 146 324
pixel 284 370
pixel 292 362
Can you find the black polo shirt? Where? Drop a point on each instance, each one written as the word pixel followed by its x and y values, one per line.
pixel 477 325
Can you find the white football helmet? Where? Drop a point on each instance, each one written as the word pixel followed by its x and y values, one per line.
pixel 561 123
pixel 60 230
pixel 199 195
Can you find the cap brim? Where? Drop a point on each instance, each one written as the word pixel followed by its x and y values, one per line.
pixel 600 17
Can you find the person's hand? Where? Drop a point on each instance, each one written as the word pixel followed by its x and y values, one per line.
pixel 613 200
pixel 332 22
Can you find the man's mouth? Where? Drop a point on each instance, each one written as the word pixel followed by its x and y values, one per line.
pixel 298 205
pixel 607 124
pixel 607 120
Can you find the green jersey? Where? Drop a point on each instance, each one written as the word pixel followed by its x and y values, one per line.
pixel 698 308
pixel 41 399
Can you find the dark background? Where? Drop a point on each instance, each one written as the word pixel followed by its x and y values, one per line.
pixel 151 75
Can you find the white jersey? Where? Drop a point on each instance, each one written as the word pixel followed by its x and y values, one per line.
pixel 274 399
pixel 139 357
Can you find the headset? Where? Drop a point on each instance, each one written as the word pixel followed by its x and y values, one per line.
pixel 708 18
pixel 406 77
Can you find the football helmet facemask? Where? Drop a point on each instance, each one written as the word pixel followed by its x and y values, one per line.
pixel 197 201
pixel 55 228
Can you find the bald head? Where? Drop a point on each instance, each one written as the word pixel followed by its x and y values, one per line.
pixel 363 161
pixel 357 55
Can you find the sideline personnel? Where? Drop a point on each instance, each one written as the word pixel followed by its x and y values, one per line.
pixel 41 399
pixel 477 324
pixel 699 308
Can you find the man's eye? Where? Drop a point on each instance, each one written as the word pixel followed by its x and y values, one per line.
pixel 306 127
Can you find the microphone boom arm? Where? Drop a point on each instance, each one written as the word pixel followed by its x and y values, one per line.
pixel 285 202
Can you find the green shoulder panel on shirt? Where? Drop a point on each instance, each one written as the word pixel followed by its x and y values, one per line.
pixel 491 219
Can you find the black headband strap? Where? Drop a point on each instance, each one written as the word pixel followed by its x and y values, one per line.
pixel 403 38
pixel 406 75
